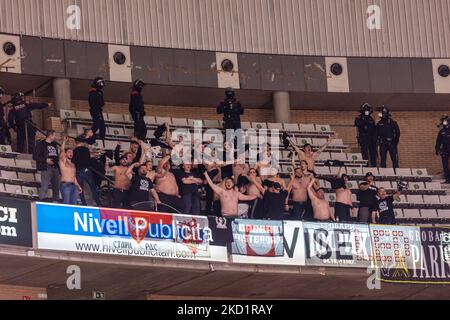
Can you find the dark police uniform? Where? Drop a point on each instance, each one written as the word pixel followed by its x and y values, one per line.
pixel 443 148
pixel 96 104
pixel 5 136
pixel 18 116
pixel 232 111
pixel 367 138
pixel 388 137
pixel 137 112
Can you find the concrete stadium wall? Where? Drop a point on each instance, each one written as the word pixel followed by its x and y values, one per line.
pixel 8 292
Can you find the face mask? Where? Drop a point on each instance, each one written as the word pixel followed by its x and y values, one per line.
pixel 445 123
pixel 380 115
pixel 367 113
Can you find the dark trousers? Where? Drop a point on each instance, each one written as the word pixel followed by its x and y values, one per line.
pixel 49 177
pixel 98 124
pixel 393 152
pixel 209 199
pixel 22 130
pixel 387 219
pixel 309 211
pixel 342 212
pixel 445 164
pixel 192 203
pixel 120 199
pixel 85 176
pixel 299 210
pixel 173 201
pixel 5 136
pixel 369 152
pixel 140 129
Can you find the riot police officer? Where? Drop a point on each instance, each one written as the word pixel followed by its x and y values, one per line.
pixel 20 117
pixel 231 110
pixel 137 110
pixel 443 146
pixel 96 104
pixel 388 137
pixel 5 136
pixel 367 134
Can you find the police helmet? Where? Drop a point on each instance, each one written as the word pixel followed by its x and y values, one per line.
pixel 229 93
pixel 138 85
pixel 17 98
pixel 385 112
pixel 366 109
pixel 99 83
pixel 445 120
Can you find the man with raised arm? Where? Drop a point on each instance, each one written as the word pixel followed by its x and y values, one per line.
pixel 321 207
pixel 229 197
pixel 307 154
pixel 142 189
pixel 70 187
pixel 167 187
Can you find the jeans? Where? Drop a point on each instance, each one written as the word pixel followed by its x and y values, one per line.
pixel 192 203
pixel 85 176
pixel 69 192
pixel 50 176
pixel 298 210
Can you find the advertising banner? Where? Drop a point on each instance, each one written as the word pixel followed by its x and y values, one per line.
pixel 293 245
pixel 222 230
pixel 337 245
pixel 124 232
pixel 15 222
pixel 434 260
pixel 396 249
pixel 257 238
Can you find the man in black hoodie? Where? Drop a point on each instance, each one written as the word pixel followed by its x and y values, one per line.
pixel 47 159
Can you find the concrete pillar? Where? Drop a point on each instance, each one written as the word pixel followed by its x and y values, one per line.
pixel 62 94
pixel 282 107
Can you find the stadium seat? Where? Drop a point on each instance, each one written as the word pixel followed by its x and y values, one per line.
pixel 195 123
pixel 337 143
pixel 115 117
pixel 355 171
pixel 310 128
pixel 176 122
pixel 416 186
pixel 353 185
pixel 9 175
pixel 110 145
pixel 334 171
pixel 162 120
pixel 302 141
pixel 115 131
pixel 291 127
pixel 420 172
pixel 445 199
pixel 275 126
pixel 83 115
pixel 67 114
pixel 387 172
pixel 330 197
pixel 384 184
pixel 318 142
pixel 402 201
pixel 412 213
pixel 37 176
pixel 431 199
pixel 428 213
pixel 433 186
pixel 128 132
pixel 5 149
pixel 322 128
pixel 127 118
pixel 355 157
pixel 215 124
pixel 2 188
pixel 403 172
pixel 324 156
pixel 26 177
pixel 30 192
pixel 324 184
pixel 24 164
pixel 150 120
pixel 7 162
pixel 374 171
pixel 415 199
pixel 323 171
pixel 444 214
pixel 259 125
pixel 13 189
pixel 399 214
pixel 246 125
pixel 341 156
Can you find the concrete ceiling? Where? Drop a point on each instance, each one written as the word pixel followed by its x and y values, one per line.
pixel 134 278
pixel 209 97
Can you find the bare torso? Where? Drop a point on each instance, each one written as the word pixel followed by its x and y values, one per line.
pixel 229 200
pixel 121 181
pixel 239 169
pixel 299 189
pixel 344 196
pixel 68 171
pixel 321 208
pixel 252 189
pixel 167 184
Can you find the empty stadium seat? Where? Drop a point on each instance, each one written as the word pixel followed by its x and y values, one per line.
pixel 26 177
pixel 114 117
pixel 291 127
pixel 9 175
pixel 384 184
pixel 30 192
pixel 307 128
pixel 373 171
pixel 338 156
pixel 5 149
pixel 13 189
pixel 162 120
pixel 431 199
pixel 402 200
pixel 67 114
pixel 399 214
pixel 179 122
pixel 7 162
pixel 412 213
pixel 216 124
pixel 150 120
pixel 433 186
pixel 323 171
pixel 318 142
pixel 420 172
pixel 355 157
pixel 302 141
pixel 387 172
pixel 337 143
pixel 115 131
pixel 324 156
pixel 129 132
pixel 444 214
pixel 2 188
pixel 322 128
pixel 445 199
pixel 127 118
pixel 330 197
pixel 355 171
pixel 83 115
pixel 416 186
pixel 24 164
pixel 416 199
pixel 259 125
pixel 37 176
pixel 428 213
pixel 403 172
pixel 353 185
pixel 275 126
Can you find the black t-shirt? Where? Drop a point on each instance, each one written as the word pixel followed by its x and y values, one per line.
pixel 52 149
pixel 368 198
pixel 274 204
pixel 188 188
pixel 140 189
pixel 81 158
pixel 385 207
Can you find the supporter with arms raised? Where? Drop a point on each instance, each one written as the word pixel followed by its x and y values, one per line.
pixel 344 203
pixel 214 169
pixel 142 189
pixel 70 187
pixel 383 210
pixel 307 154
pixel 190 183
pixel 229 197
pixel 321 207
pixel 299 189
pixel 167 187
pixel 367 197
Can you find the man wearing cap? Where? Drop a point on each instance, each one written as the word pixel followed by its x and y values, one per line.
pixel 231 109
pixel 367 134
pixel 388 137
pixel 20 118
pixel 367 197
pixel 443 146
pixel 137 110
pixel 96 104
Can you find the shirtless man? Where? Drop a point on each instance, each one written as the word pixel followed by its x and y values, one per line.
pixel 214 169
pixel 229 197
pixel 122 183
pixel 264 165
pixel 344 203
pixel 69 184
pixel 167 187
pixel 321 207
pixel 309 156
pixel 299 190
pixel 150 173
